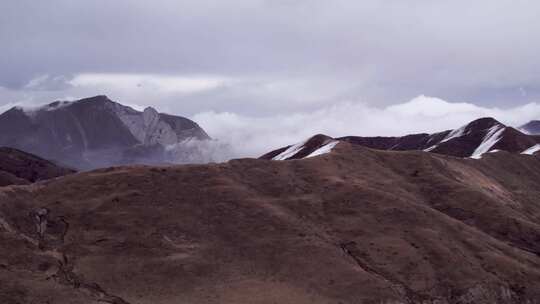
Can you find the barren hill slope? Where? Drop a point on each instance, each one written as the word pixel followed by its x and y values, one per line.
pixel 19 168
pixel 351 226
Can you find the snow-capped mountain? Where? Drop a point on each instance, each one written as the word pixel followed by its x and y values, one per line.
pixel 96 132
pixel 532 127
pixel 471 140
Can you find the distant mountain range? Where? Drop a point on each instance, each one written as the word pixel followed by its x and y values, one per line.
pixel 472 140
pixel 96 132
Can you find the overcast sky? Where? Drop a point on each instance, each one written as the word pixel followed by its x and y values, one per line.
pixel 280 69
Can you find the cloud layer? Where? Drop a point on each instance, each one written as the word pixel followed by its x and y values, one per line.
pixel 254 136
pixel 380 52
pixel 265 73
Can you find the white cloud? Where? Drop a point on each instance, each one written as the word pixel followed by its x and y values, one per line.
pixel 258 115
pixel 35 82
pixel 432 107
pixel 47 83
pixel 381 51
pixel 8 106
pixel 254 136
pixel 149 82
pixel 186 94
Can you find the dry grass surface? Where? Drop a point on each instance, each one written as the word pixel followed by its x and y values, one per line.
pixel 352 226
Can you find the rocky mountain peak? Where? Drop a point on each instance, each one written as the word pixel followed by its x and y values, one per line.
pixel 94 132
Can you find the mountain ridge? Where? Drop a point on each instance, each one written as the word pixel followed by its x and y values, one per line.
pixel 471 140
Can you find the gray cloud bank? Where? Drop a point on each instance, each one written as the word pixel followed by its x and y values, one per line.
pixel 251 136
pixel 279 69
pixel 380 51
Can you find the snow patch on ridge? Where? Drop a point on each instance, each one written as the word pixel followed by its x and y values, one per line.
pixel 324 149
pixel 532 150
pixel 455 133
pixel 291 151
pixel 492 137
pixel 459 132
pixel 431 148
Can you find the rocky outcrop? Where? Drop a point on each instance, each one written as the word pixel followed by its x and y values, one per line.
pixel 150 127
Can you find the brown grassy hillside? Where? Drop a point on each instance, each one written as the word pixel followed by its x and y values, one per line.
pixel 20 168
pixel 352 226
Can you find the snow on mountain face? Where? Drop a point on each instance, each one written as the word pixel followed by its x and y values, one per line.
pixel 466 141
pixel 491 138
pixel 532 150
pixel 290 152
pixel 324 149
pixel 430 148
pixel 475 139
pixel 455 134
pixel 314 146
pixel 472 140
